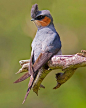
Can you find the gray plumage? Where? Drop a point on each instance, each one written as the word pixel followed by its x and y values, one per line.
pixel 45 44
pixel 34 11
pixel 46 40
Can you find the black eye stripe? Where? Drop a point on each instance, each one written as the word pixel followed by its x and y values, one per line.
pixel 40 17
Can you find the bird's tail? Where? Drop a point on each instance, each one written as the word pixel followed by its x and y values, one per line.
pixel 32 79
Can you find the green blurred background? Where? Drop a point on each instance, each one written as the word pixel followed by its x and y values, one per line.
pixel 16 34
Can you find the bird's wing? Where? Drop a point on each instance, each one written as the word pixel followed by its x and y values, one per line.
pixel 50 50
pixel 31 72
pixel 42 59
pixel 31 64
pixel 51 46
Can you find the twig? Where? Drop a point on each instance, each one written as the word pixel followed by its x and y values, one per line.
pixel 68 64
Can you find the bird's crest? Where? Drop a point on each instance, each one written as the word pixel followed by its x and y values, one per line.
pixel 34 10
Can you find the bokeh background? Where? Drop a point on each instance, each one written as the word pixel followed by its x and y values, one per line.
pixel 16 35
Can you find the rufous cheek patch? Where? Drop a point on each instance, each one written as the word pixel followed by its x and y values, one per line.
pixel 44 22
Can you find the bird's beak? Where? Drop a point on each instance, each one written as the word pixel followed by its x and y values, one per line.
pixel 32 19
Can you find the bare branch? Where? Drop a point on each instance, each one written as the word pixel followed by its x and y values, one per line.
pixel 68 64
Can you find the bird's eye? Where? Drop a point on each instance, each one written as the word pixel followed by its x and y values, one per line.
pixel 40 17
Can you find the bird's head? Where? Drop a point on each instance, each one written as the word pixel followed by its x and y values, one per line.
pixel 41 18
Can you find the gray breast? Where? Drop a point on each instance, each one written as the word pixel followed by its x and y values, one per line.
pixel 40 37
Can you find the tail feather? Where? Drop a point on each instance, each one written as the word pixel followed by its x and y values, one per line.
pixel 29 87
pixel 22 78
pixel 32 79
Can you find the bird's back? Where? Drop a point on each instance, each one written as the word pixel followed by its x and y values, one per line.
pixel 43 36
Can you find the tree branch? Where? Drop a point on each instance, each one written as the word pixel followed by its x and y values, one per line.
pixel 68 64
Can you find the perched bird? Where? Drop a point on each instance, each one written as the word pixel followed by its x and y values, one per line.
pixel 45 45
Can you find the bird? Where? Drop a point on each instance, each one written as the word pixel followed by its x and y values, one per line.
pixel 45 44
